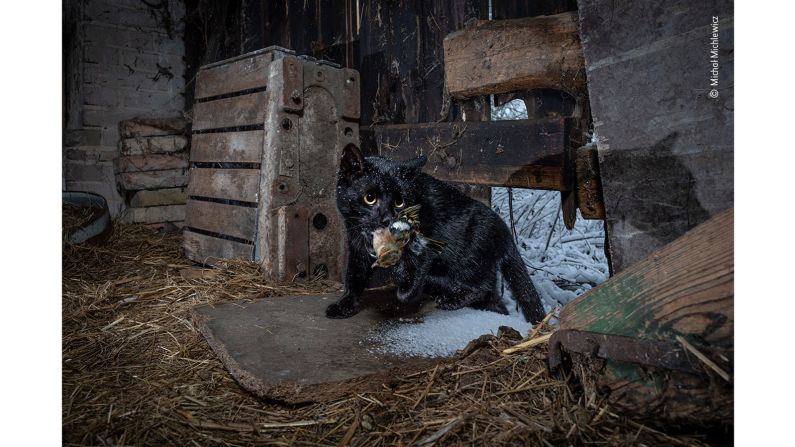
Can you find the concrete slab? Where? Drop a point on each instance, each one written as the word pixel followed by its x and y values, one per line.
pixel 285 349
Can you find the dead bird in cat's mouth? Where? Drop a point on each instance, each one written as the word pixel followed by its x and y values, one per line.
pixel 389 242
pixel 432 238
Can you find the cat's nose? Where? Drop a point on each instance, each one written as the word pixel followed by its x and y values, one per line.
pixel 386 220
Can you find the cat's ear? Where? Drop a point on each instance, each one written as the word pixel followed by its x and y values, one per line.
pixel 415 164
pixel 352 162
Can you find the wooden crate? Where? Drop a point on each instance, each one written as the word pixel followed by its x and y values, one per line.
pixel 268 132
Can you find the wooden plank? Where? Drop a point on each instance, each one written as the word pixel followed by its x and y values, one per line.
pixel 241 147
pixel 136 181
pixel 245 110
pixel 589 185
pixel 209 250
pixel 292 257
pixel 142 127
pixel 666 162
pixel 153 162
pixel 231 220
pixel 243 74
pixel 518 54
pixel 525 154
pixel 685 289
pixel 155 197
pixel 153 214
pixel 233 184
pixel 165 144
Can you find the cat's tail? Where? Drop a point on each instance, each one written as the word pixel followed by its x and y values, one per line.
pixel 525 294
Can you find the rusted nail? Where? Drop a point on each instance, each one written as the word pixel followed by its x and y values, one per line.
pixel 296 96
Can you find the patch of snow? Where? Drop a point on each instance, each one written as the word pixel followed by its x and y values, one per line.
pixel 442 332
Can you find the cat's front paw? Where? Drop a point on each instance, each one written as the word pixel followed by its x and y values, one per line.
pixel 337 310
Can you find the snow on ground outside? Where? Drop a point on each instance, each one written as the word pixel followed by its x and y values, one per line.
pixel 573 263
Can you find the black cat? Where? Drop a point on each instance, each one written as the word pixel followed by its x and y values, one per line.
pixel 370 193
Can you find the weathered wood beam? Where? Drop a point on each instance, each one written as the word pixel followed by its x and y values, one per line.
pixel 499 56
pixel 522 154
pixel 684 289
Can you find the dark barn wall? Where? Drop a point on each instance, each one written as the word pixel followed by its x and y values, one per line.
pixel 219 30
pixel 666 149
pixel 123 59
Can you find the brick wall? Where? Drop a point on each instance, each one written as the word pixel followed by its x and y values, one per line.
pixel 124 59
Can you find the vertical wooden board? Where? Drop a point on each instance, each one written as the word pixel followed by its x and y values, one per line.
pixel 666 161
pixel 403 78
pixel 208 249
pixel 292 259
pixel 230 220
pixel 245 110
pixel 243 74
pixel 238 147
pixel 232 184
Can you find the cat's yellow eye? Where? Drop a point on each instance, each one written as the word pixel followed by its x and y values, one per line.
pixel 370 199
pixel 399 202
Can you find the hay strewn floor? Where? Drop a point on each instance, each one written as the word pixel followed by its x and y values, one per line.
pixel 136 372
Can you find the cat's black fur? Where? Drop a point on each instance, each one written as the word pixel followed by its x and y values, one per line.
pixel 464 273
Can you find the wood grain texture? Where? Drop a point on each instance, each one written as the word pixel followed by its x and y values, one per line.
pixel 145 127
pixel 666 153
pixel 245 110
pixel 232 184
pixel 152 162
pixel 589 185
pixel 231 220
pixel 403 77
pixel 136 181
pixel 248 73
pixel 165 144
pixel 239 147
pixel 155 197
pixel 685 288
pixel 526 154
pixel 154 214
pixel 498 56
pixel 208 250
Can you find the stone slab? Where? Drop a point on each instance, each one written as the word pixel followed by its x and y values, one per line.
pixel 285 349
